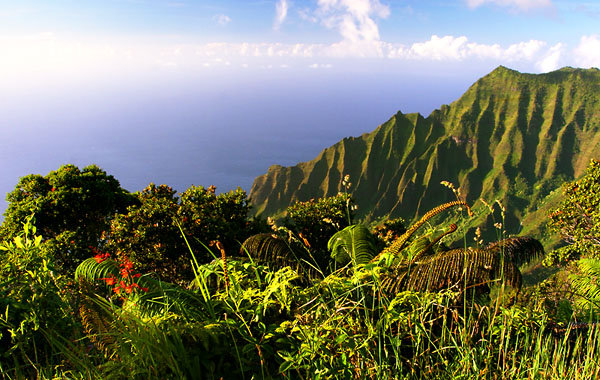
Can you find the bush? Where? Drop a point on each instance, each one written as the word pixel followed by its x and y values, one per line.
pixel 317 221
pixel 72 208
pixel 150 233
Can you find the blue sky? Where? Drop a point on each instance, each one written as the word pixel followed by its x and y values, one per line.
pixel 70 38
pixel 215 91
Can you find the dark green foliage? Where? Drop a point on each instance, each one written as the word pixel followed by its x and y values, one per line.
pixel 318 220
pixel 577 219
pixel 149 233
pixel 389 230
pixel 353 244
pixel 72 208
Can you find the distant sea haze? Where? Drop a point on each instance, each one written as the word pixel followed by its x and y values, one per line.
pixel 185 133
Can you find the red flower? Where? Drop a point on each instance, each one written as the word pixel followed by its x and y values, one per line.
pixel 110 280
pixel 127 265
pixel 137 275
pixel 100 257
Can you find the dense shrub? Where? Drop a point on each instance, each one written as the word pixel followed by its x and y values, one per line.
pixel 150 233
pixel 72 208
pixel 318 220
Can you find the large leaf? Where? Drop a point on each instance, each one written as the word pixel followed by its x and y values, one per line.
pixel 518 250
pixel 90 270
pixel 586 284
pixel 460 268
pixel 353 244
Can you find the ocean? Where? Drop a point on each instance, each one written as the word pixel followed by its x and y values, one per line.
pixel 184 131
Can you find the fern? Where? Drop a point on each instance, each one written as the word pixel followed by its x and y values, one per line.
pixel 423 247
pixel 97 320
pixel 461 268
pixel 353 244
pixel 587 285
pixel 518 250
pixel 90 270
pixel 160 298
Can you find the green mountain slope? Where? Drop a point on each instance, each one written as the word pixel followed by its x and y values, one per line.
pixel 512 136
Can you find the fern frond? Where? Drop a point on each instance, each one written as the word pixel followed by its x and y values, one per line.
pixel 163 297
pixel 90 270
pixel 587 284
pixel 518 250
pixel 463 268
pixel 353 244
pixel 97 321
pixel 399 244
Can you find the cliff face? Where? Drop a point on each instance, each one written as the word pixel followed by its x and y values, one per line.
pixel 511 136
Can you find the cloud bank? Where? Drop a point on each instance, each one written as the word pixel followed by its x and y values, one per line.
pixel 354 21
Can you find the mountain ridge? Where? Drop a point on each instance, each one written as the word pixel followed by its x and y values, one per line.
pixel 511 136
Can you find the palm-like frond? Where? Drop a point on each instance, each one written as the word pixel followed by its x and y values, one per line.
pixel 399 244
pixel 464 268
pixel 518 250
pixel 587 284
pixel 91 270
pixel 268 248
pixel 353 244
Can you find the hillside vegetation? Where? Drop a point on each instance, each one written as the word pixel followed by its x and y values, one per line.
pixel 513 137
pixel 100 283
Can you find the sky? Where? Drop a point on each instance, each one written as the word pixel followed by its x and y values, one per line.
pixel 215 91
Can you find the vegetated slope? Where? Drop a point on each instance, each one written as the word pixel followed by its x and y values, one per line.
pixel 512 136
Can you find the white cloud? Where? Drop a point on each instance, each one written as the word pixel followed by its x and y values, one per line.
pixel 354 19
pixel 52 57
pixel 587 53
pixel 552 59
pixel 520 5
pixel 450 48
pixel 281 10
pixel 222 19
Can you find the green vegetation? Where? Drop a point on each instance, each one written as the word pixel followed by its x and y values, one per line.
pixel 154 298
pixel 512 136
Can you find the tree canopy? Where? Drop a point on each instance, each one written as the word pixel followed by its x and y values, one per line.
pixel 71 207
pixel 577 219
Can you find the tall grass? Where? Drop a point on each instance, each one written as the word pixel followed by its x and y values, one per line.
pixel 244 320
